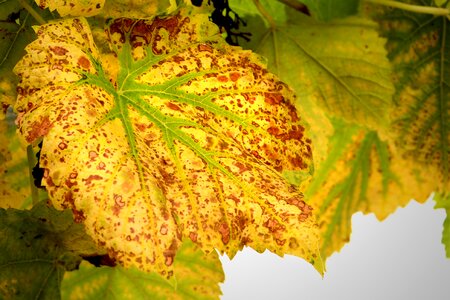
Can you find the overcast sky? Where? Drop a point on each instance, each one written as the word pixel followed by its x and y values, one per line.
pixel 399 258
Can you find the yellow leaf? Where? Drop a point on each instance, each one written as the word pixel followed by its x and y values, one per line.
pixel 186 138
pixel 85 8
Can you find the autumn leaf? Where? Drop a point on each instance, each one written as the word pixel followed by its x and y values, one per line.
pixel 418 46
pixel 196 276
pixel 36 248
pixel 174 135
pixel 78 8
pixel 362 173
pixel 137 8
pixel 349 78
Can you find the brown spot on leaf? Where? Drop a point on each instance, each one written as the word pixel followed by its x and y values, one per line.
pixel 173 106
pixel 273 98
pixel 84 63
pixel 234 76
pixel 205 47
pixel 164 229
pixel 193 236
pixel 224 231
pixel 62 146
pixel 222 78
pixel 58 50
pixel 92 178
pixel 39 129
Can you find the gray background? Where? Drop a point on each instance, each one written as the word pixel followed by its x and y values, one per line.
pixel 399 258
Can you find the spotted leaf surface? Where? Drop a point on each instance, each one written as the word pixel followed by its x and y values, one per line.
pixel 178 136
pixel 418 45
pixel 196 276
pixel 78 8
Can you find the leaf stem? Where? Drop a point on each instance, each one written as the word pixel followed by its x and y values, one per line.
pixel 32 12
pixel 263 12
pixel 437 11
pixel 31 163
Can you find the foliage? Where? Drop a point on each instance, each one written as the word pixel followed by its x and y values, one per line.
pixel 168 143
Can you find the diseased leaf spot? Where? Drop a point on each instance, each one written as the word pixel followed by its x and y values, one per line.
pixel 84 63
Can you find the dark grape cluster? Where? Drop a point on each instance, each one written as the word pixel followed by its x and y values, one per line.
pixel 227 20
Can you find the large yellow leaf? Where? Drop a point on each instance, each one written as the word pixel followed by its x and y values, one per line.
pixel 179 136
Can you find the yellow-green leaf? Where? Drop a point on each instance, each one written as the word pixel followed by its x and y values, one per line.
pixel 340 65
pixel 179 136
pixel 419 48
pixel 136 8
pixel 76 8
pixel 196 276
pixel 362 173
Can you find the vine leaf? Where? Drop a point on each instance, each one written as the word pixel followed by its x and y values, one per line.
pixel 419 47
pixel 36 248
pixel 349 78
pixel 179 136
pixel 78 8
pixel 357 170
pixel 196 276
pixel 362 173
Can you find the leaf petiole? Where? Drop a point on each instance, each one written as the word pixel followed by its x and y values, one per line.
pixel 437 11
pixel 32 12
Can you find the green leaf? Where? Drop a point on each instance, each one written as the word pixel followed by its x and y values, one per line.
pixel 349 77
pixel 36 248
pixel 15 189
pixel 15 34
pixel 326 10
pixel 174 135
pixel 419 48
pixel 196 276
